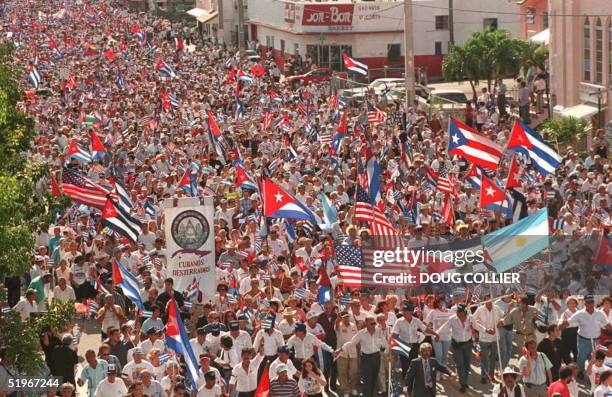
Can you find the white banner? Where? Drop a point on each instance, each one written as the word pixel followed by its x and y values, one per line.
pixel 190 245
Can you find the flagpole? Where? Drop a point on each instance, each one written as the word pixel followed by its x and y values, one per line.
pixel 499 357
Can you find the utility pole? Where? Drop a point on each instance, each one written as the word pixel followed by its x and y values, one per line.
pixel 241 43
pixel 220 32
pixel 408 54
pixel 451 25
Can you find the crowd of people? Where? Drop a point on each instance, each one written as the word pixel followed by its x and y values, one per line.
pixel 147 88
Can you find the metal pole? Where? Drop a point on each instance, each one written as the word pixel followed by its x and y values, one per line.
pixel 451 25
pixel 599 108
pixel 220 32
pixel 408 54
pixel 241 44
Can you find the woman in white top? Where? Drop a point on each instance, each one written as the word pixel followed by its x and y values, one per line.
pixel 436 318
pixel 569 335
pixel 159 368
pixel 311 381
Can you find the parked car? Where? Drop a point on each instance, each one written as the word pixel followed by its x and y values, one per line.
pixel 398 92
pixel 320 74
pixel 250 55
pixel 446 102
pixel 378 86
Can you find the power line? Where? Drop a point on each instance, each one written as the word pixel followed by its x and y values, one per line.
pixel 508 13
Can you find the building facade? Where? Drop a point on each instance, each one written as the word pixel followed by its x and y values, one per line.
pixel 534 17
pixel 581 59
pixel 373 31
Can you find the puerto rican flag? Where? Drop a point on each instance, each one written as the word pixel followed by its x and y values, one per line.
pixel 178 341
pixel 354 66
pixel 128 282
pixel 280 204
pixel 469 144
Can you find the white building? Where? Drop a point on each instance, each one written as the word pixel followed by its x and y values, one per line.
pixel 373 31
pixel 206 12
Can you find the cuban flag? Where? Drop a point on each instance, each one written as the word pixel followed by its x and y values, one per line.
pixel 474 176
pixel 528 142
pixel 149 209
pixel 280 204
pixel 354 66
pixel 128 282
pixel 97 147
pixel 243 179
pixel 178 341
pixel 116 218
pixel 189 183
pixel 124 198
pixel 247 78
pixel 239 109
pixel 469 144
pixel 164 69
pixel 79 153
pixel 33 75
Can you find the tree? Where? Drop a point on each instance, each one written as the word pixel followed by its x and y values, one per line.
pixel 21 211
pixel 485 55
pixel 565 130
pixel 21 340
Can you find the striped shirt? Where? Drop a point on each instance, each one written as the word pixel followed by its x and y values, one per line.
pixel 288 388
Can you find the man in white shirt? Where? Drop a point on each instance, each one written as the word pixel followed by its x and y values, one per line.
pixel 406 328
pixel 348 372
pixel 486 318
pixel 461 330
pixel 283 359
pixel 304 343
pixel 271 339
pixel 244 375
pixel 535 370
pixel 210 388
pixel 131 371
pixel 240 339
pixel 111 386
pixel 63 292
pixel 197 343
pixel 590 322
pixel 27 305
pixel 152 388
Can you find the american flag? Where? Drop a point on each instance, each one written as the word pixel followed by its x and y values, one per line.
pixel 333 102
pixel 356 268
pixel 82 190
pixel 447 183
pixel 448 214
pixel 325 136
pixel 267 120
pixel 379 224
pixel 375 115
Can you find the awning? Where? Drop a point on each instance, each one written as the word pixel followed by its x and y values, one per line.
pixel 202 15
pixel 542 37
pixel 581 111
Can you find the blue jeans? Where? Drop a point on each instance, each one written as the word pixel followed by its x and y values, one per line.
pixel 585 349
pixel 463 356
pixel 441 349
pixel 505 345
pixel 488 357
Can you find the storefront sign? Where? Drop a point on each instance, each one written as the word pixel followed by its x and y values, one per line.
pixel 328 15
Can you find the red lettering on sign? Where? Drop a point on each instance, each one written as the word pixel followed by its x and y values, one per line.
pixel 328 15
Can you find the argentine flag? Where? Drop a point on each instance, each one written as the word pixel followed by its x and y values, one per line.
pixel 514 244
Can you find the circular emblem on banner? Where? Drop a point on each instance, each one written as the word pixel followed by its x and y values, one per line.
pixel 190 229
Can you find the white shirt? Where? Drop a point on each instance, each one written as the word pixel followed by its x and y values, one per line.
pixel 107 389
pixel 132 369
pixel 438 318
pixel 214 391
pixel 271 341
pixel 407 330
pixel 304 348
pixel 25 308
pixel 242 341
pixel 290 368
pixel 485 319
pixel 285 328
pixel 539 365
pixel 201 381
pixel 64 295
pixel 245 381
pixel 344 334
pixel 461 332
pixel 370 343
pixel 589 325
pixel 147 345
pixel 197 347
